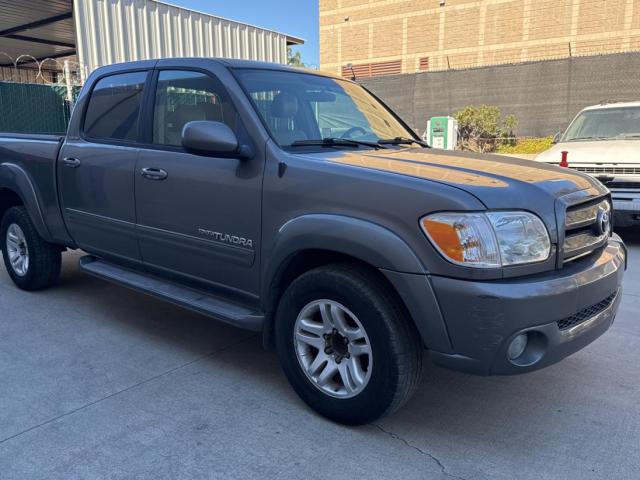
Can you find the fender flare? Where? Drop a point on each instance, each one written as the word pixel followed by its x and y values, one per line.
pixel 15 178
pixel 369 242
pixel 366 241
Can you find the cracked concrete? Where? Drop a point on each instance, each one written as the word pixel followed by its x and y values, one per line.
pixel 100 382
pixel 442 468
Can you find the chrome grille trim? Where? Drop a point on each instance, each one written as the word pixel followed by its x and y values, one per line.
pixel 582 216
pixel 583 232
pixel 580 241
pixel 608 170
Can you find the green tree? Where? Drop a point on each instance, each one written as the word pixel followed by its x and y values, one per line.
pixel 482 128
pixel 294 58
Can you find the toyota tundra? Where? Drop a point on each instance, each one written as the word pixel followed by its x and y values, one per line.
pixel 298 205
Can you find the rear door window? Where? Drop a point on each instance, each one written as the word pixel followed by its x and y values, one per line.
pixel 113 112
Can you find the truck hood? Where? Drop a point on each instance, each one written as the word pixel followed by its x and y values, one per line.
pixel 612 152
pixel 497 181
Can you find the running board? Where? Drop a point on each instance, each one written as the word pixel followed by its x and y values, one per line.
pixel 198 301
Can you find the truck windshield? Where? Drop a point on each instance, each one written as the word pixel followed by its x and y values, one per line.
pixel 302 109
pixel 605 124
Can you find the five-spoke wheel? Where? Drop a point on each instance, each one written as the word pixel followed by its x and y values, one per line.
pixel 17 250
pixel 32 262
pixel 346 344
pixel 333 348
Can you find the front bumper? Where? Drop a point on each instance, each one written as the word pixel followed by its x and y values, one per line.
pixel 626 201
pixel 626 210
pixel 482 318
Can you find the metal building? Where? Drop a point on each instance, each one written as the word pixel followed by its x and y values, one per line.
pixel 36 36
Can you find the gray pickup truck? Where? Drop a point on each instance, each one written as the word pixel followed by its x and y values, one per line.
pixel 298 205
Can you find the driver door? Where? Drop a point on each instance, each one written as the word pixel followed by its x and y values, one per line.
pixel 199 218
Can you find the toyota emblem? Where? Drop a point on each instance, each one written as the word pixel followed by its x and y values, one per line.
pixel 603 222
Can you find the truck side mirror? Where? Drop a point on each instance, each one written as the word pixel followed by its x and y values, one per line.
pixel 211 138
pixel 556 138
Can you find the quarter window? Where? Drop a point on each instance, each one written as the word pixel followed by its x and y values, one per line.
pixel 183 97
pixel 114 107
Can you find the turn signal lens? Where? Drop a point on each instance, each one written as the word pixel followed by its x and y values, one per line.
pixel 488 240
pixel 465 239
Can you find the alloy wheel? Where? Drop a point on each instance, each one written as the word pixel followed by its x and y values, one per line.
pixel 333 348
pixel 17 250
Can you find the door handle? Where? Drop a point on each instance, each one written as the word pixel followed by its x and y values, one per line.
pixel 71 162
pixel 154 173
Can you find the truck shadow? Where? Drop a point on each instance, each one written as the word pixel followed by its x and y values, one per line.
pixel 445 401
pixel 450 410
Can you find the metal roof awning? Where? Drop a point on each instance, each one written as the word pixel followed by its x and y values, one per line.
pixel 42 34
pixel 36 29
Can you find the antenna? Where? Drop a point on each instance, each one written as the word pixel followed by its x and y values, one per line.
pixel 353 73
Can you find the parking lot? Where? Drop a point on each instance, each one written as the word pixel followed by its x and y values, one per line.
pixel 97 381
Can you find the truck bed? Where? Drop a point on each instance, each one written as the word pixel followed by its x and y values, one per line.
pixel 32 136
pixel 31 159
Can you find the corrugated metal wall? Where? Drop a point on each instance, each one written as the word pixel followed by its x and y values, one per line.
pixel 114 31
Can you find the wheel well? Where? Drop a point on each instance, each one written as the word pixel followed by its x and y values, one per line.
pixel 8 199
pixel 301 262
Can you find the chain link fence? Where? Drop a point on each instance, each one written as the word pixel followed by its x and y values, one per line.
pixel 36 96
pixel 35 108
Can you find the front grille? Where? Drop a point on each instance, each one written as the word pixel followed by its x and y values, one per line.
pixel 623 185
pixel 587 313
pixel 587 228
pixel 608 170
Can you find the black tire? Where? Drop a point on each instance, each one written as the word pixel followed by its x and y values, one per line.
pixel 395 343
pixel 44 258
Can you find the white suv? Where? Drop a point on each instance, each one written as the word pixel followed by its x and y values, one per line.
pixel 604 141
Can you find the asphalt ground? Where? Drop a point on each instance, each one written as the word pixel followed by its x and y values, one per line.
pixel 100 382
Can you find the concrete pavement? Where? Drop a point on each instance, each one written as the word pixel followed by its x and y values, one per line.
pixel 97 381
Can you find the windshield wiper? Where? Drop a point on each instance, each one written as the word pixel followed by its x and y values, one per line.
pixel 403 141
pixel 336 142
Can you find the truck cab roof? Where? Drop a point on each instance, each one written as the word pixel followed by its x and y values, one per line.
pixel 231 63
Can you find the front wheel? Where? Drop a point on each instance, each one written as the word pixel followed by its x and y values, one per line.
pixel 346 345
pixel 31 262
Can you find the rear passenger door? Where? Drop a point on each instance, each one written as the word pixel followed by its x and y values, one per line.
pixel 198 216
pixel 96 169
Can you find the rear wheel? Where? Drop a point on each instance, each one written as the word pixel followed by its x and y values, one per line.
pixel 346 344
pixel 32 263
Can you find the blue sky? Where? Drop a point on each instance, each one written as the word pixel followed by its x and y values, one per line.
pixel 295 17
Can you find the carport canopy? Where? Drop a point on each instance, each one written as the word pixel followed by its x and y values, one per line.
pixel 44 29
pixel 36 29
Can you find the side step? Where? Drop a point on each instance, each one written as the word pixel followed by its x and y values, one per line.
pixel 201 302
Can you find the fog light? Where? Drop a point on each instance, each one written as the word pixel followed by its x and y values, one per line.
pixel 517 346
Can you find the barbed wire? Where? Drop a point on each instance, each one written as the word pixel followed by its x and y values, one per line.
pixel 49 71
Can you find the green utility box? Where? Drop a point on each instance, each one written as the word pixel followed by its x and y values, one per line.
pixel 442 132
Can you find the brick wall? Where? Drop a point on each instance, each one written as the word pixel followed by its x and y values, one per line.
pixel 469 33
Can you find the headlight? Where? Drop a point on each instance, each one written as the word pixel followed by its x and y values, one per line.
pixel 488 240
